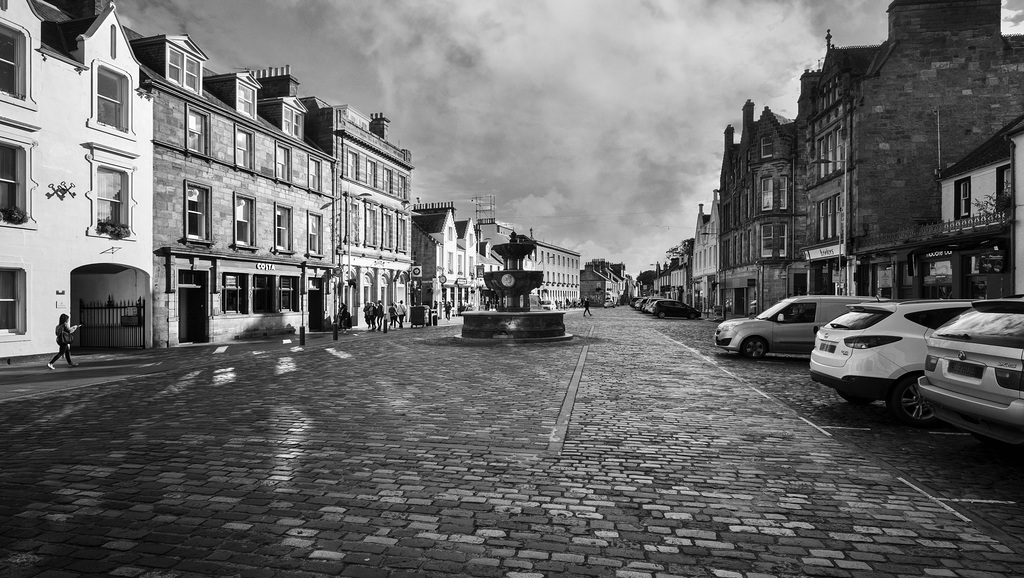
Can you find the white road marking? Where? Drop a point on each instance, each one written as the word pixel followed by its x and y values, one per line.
pixel 937 501
pixel 221 349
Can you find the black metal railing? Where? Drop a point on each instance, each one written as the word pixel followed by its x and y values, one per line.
pixel 112 324
pixel 976 224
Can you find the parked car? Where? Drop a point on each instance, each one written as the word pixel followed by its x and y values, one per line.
pixel 609 302
pixel 973 371
pixel 789 326
pixel 668 308
pixel 876 351
pixel 547 305
pixel 639 303
pixel 649 304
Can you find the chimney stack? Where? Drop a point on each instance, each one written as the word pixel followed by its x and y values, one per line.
pixel 277 81
pixel 379 125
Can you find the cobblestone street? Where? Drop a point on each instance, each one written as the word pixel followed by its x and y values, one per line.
pixel 632 450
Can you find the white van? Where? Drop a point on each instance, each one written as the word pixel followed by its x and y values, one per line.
pixel 789 326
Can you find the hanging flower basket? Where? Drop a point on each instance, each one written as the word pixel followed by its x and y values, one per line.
pixel 13 215
pixel 114 230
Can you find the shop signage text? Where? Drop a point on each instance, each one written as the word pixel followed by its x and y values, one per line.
pixel 266 266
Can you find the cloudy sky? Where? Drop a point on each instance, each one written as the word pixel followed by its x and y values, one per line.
pixel 597 123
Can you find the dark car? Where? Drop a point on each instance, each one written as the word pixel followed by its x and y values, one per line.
pixel 667 308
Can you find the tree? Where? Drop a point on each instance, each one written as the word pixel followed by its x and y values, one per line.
pixel 683 249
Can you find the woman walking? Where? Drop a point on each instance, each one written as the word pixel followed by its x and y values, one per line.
pixel 65 336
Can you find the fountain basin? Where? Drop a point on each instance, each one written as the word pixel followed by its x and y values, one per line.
pixel 514 326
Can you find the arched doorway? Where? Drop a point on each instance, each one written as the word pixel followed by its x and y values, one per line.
pixel 113 303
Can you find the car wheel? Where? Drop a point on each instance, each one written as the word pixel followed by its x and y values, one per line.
pixel 694 315
pixel 754 347
pixel 855 399
pixel 907 404
pixel 661 315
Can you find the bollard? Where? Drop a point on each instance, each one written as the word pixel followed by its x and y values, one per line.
pixel 302 335
pixel 335 329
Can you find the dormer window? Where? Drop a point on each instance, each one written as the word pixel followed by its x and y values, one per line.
pixel 291 122
pixel 246 102
pixel 183 70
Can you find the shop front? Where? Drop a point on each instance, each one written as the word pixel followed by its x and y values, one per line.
pixel 211 298
pixel 825 272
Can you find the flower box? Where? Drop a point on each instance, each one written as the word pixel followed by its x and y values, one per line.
pixel 13 215
pixel 114 230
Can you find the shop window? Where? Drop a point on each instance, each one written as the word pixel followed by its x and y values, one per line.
pixel 262 294
pixel 234 294
pixel 288 296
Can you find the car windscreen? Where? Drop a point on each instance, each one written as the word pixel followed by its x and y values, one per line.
pixel 994 328
pixel 858 319
pixel 768 313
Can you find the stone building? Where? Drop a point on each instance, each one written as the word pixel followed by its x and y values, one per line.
pixel 706 289
pixel 75 178
pixel 761 210
pixel 434 249
pixel 373 187
pixel 880 123
pixel 242 237
pixel 601 281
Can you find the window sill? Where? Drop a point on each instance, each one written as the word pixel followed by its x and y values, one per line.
pixel 246 248
pixel 28 225
pixel 285 252
pixel 317 256
pixel 200 242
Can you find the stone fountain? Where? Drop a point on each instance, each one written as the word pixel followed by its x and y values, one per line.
pixel 513 319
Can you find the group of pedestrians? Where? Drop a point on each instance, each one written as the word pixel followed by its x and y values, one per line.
pixel 376 315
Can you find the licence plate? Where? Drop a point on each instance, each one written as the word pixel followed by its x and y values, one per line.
pixel 966 369
pixel 827 346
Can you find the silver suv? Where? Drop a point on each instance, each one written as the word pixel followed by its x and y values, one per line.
pixel 877 351
pixel 973 370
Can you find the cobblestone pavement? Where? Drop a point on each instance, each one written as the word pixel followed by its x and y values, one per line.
pixel 633 450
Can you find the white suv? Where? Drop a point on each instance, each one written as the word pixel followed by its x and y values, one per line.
pixel 974 371
pixel 877 351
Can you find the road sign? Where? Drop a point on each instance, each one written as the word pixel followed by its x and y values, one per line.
pixel 416 271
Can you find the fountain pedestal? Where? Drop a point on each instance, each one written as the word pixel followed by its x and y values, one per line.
pixel 513 319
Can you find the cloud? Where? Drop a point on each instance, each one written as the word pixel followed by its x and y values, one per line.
pixel 598 123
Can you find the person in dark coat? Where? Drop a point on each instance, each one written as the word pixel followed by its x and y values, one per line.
pixel 378 314
pixel 586 307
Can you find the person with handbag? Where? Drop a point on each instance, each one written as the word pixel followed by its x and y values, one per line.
pixel 65 333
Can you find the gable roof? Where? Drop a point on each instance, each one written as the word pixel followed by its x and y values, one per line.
pixel 431 223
